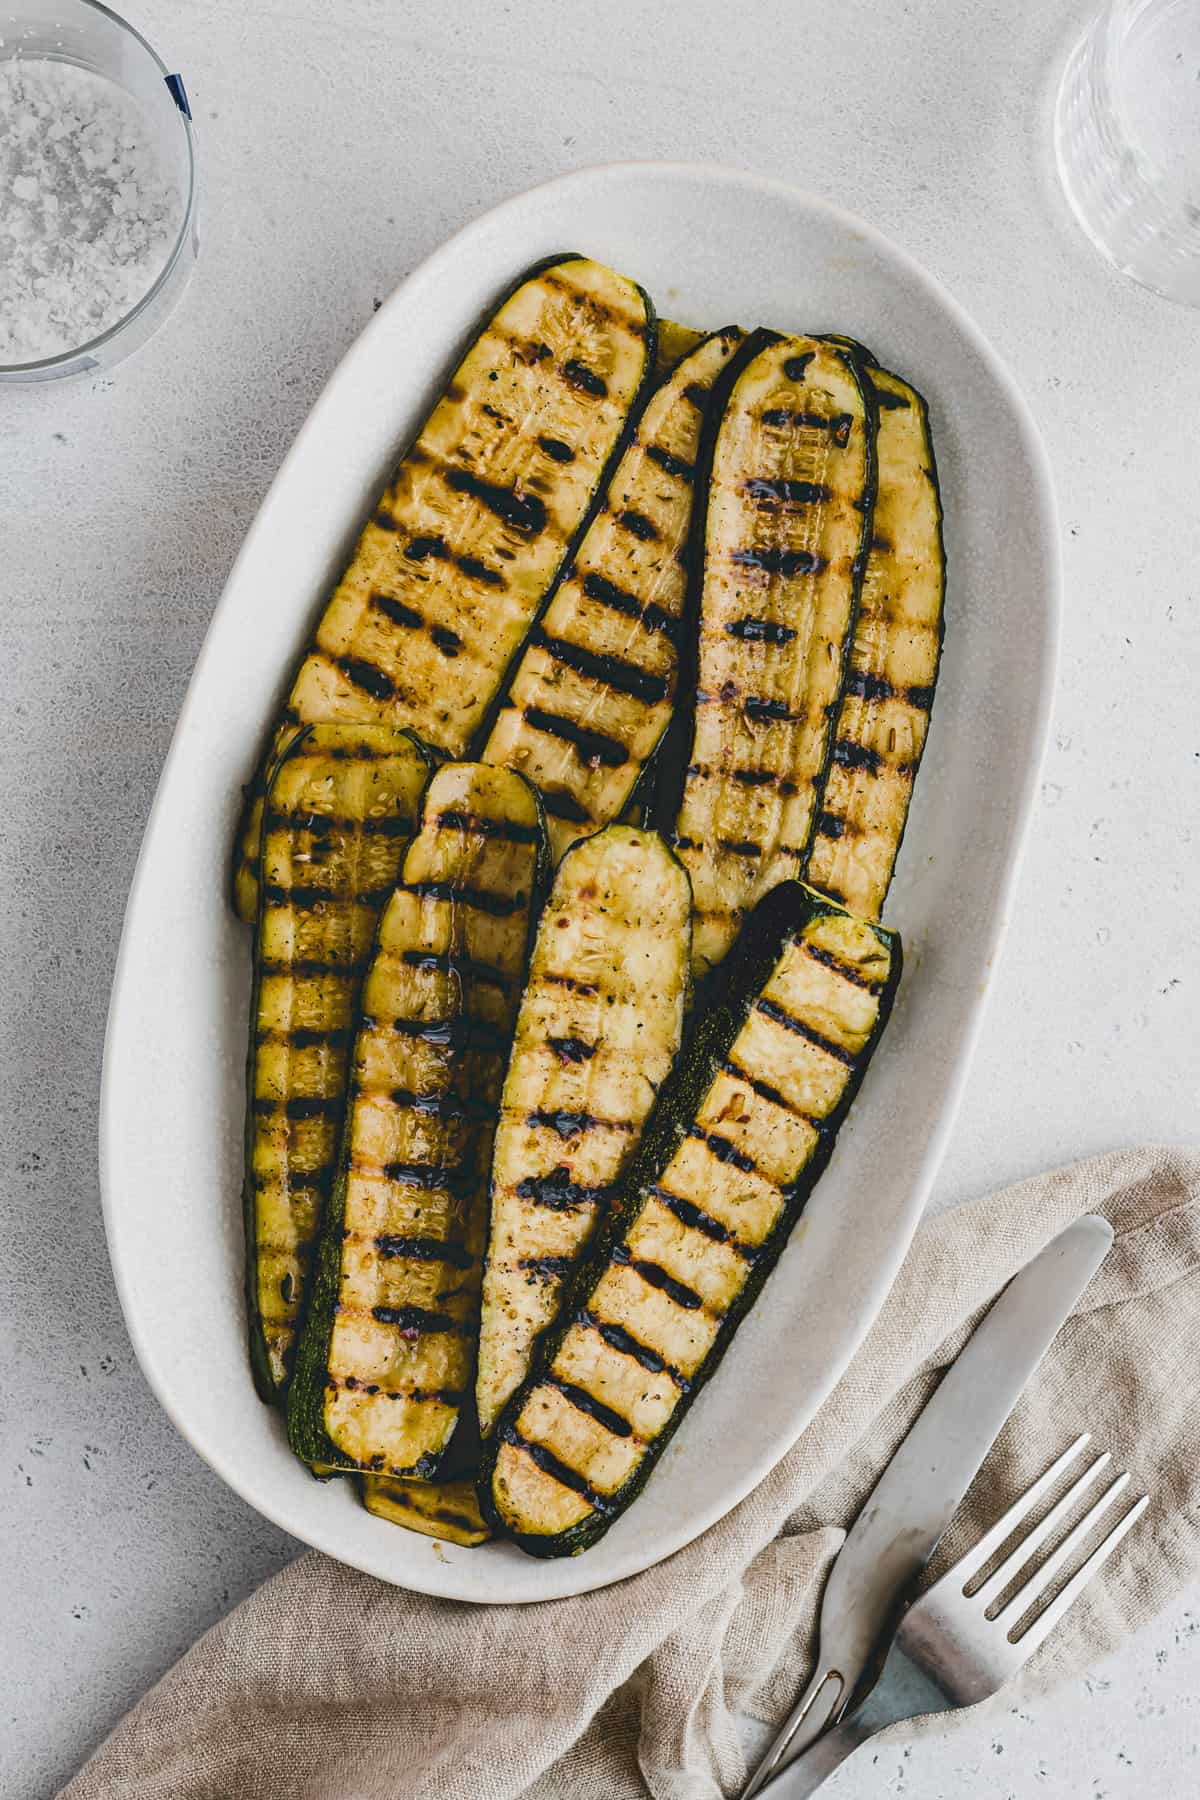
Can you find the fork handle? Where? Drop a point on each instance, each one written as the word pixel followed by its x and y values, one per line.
pixel 889 1702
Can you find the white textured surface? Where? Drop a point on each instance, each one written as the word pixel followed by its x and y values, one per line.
pixel 333 160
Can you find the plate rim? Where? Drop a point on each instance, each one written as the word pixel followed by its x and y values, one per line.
pixel 442 1578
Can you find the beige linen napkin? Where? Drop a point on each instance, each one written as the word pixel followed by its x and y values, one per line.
pixel 328 1685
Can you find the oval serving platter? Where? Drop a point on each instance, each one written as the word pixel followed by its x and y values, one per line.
pixel 711 246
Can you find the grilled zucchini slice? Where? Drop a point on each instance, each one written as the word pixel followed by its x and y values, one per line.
pixel 466 543
pixel 674 343
pixel 789 488
pixel 884 716
pixel 740 1133
pixel 341 802
pixel 599 1026
pixel 593 691
pixel 387 1357
pixel 439 1509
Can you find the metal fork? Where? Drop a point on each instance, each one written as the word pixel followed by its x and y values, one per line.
pixel 947 1652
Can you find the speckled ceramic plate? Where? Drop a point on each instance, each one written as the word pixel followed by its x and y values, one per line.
pixel 711 246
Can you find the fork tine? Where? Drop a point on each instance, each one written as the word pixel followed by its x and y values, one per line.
pixel 1021 1552
pixel 1039 1581
pixel 1045 1622
pixel 969 1565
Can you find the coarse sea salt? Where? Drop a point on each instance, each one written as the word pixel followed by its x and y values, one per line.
pixel 87 218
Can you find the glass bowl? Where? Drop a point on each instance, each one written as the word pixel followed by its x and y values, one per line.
pixel 92 37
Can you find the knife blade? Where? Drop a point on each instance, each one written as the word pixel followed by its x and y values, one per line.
pixel 918 1493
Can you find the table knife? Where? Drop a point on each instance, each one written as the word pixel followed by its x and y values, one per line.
pixel 918 1493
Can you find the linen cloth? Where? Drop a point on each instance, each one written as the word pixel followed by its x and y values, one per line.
pixel 329 1685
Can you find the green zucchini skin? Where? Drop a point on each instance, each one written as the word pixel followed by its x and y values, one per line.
pixel 594 687
pixel 385 1364
pixel 781 527
pixel 600 1023
pixel 772 932
pixel 288 1152
pixel 895 657
pixel 453 567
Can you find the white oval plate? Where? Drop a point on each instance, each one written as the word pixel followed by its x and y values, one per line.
pixel 711 246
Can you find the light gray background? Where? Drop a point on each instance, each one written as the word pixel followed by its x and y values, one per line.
pixel 340 144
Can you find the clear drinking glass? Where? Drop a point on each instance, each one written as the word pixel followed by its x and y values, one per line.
pixel 88 34
pixel 1127 139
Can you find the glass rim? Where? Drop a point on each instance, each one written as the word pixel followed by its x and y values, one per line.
pixel 43 365
pixel 1114 18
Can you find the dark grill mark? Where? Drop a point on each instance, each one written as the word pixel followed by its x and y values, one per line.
pixel 507 831
pixel 679 842
pixel 397 612
pixel 697 393
pixel 306 1037
pixel 637 524
pixel 771 560
pixel 448 962
pixel 366 676
pixel 444 1396
pixel 890 402
pixel 740 846
pixel 756 707
pixel 447 641
pixel 656 1277
pixel 920 697
pixel 572 982
pixel 414 1320
pixel 587 1403
pixel 424 1249
pixel 849 755
pixel 305 1106
pixel 500 906
pixel 559 1193
pixel 611 671
pixel 326 825
pixel 567 1124
pixel 419 548
pixel 305 966
pixel 670 465
pixel 760 631
pixel 763 778
pixel 447 1106
pixel 548 1267
pixel 493 413
pixel 781 1016
pixel 598 587
pixel 479 571
pixel 523 512
pixel 770 1094
pixel 771 493
pixel 560 1471
pixel 454 1178
pixel 562 805
pixel 795 366
pixel 865 686
pixel 590 746
pixel 450 1034
pixel 313 899
pixel 625 1344
pixel 846 970
pixel 688 1213
pixel 724 1151
pixel 556 450
pixel 585 379
pixel 838 427
pixel 572 1049
pixel 830 825
pixel 384 519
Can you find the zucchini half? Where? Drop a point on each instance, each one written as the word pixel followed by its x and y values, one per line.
pixel 884 718
pixel 599 1026
pixel 387 1356
pixel 439 1509
pixel 341 802
pixel 789 488
pixel 742 1129
pixel 480 517
pixel 593 690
